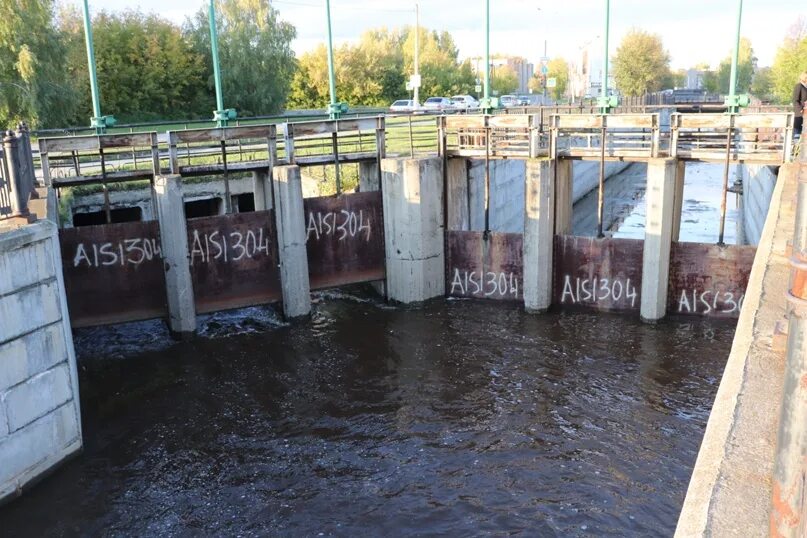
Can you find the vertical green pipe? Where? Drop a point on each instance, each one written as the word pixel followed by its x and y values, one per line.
pixel 734 60
pixel 214 46
pixel 331 77
pixel 96 99
pixel 487 56
pixel 604 90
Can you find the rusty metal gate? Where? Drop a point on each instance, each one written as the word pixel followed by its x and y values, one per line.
pixel 344 239
pixel 113 273
pixel 484 268
pixel 233 260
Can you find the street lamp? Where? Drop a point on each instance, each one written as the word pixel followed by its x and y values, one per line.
pixel 220 115
pixel 98 122
pixel 335 109
pixel 734 101
pixel 606 102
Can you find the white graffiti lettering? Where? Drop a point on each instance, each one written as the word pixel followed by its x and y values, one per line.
pixel 484 284
pixel 342 225
pixel 232 247
pixel 597 290
pixel 710 302
pixel 132 251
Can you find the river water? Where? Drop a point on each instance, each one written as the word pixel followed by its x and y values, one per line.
pixel 454 418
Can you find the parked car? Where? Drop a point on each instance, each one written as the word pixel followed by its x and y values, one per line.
pixel 437 104
pixel 524 100
pixel 508 100
pixel 402 105
pixel 464 102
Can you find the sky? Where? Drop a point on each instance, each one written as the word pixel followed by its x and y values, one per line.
pixel 693 31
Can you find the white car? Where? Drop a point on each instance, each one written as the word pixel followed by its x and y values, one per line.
pixel 402 105
pixel 437 104
pixel 508 100
pixel 464 102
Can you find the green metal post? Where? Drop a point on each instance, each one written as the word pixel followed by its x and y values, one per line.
pixel 604 90
pixel 96 120
pixel 733 99
pixel 219 115
pixel 333 108
pixel 487 58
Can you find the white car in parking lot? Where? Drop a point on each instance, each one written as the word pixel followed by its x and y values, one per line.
pixel 437 104
pixel 464 102
pixel 402 105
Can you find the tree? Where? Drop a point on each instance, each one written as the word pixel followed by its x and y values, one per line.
pixel 536 84
pixel 762 86
pixel 558 68
pixel 503 80
pixel 746 64
pixel 641 64
pixel 790 62
pixel 254 52
pixel 33 84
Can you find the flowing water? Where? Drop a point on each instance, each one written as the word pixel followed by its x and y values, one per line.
pixel 456 418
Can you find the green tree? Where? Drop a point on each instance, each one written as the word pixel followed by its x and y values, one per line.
pixel 746 64
pixel 641 64
pixel 33 84
pixel 762 86
pixel 503 80
pixel 257 61
pixel 558 68
pixel 536 84
pixel 790 62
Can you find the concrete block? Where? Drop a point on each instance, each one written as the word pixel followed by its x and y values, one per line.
pixel 262 190
pixel 32 354
pixel 564 183
pixel 539 224
pixel 413 228
pixel 28 310
pixel 369 181
pixel 506 195
pixel 37 396
pixel 33 450
pixel 291 235
pixel 658 238
pixel 458 217
pixel 174 241
pixel 25 258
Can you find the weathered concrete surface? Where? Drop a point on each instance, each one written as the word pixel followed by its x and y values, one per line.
pixel 658 238
pixel 758 185
pixel 730 490
pixel 40 421
pixel 174 247
pixel 290 218
pixel 587 176
pixel 539 225
pixel 413 228
pixel 506 195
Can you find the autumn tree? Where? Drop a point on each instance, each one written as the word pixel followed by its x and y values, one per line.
pixel 34 86
pixel 503 80
pixel 790 62
pixel 641 65
pixel 746 64
pixel 254 51
pixel 558 68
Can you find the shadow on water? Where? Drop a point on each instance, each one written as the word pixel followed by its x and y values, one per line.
pixel 458 417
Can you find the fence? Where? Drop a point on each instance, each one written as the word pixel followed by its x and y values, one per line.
pixel 17 173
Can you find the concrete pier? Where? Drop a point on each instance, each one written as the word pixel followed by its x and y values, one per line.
pixel 539 223
pixel 413 228
pixel 262 190
pixel 174 244
pixel 290 219
pixel 459 206
pixel 564 196
pixel 658 238
pixel 40 422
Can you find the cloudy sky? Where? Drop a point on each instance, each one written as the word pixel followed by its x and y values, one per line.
pixel 693 31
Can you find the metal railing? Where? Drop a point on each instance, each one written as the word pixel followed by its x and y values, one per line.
pixel 17 173
pixel 622 136
pixel 491 137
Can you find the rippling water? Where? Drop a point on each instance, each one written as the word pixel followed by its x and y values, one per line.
pixel 456 418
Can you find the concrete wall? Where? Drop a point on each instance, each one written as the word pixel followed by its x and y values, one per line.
pixel 507 179
pixel 39 407
pixel 758 184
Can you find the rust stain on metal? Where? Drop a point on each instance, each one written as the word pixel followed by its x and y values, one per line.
pixel 603 274
pixel 234 260
pixel 708 280
pixel 113 273
pixel 344 239
pixel 484 269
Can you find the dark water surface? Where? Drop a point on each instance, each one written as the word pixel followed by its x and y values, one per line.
pixel 458 418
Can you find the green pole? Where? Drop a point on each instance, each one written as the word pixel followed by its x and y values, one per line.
pixel 487 106
pixel 734 60
pixel 220 116
pixel 96 120
pixel 604 90
pixel 333 109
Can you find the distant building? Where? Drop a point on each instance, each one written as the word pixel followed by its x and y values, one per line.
pixel 694 79
pixel 523 69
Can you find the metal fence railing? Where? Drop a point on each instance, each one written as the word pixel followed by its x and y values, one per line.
pixel 17 173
